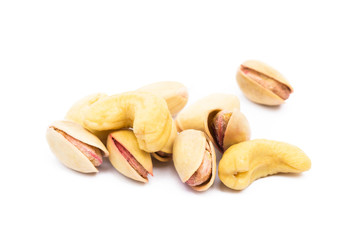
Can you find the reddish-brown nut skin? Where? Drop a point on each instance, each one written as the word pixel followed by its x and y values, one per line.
pixel 92 153
pixel 219 125
pixel 267 82
pixel 204 171
pixel 131 160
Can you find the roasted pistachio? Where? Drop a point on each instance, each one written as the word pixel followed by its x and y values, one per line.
pixel 218 115
pixel 194 159
pixel 75 147
pixel 174 93
pixel 127 157
pixel 263 84
pixel 247 161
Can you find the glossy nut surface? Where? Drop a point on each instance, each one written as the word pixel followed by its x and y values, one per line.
pixel 126 156
pixel 247 161
pixel 262 84
pixel 75 147
pixel 194 159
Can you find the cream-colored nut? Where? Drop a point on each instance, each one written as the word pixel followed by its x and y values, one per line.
pixel 201 114
pixel 247 161
pixel 194 159
pixel 175 94
pixel 75 147
pixel 146 113
pixel 165 154
pixel 77 111
pixel 262 84
pixel 127 157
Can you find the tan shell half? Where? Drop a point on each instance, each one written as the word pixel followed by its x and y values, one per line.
pixel 76 113
pixel 175 94
pixel 193 116
pixel 127 139
pixel 237 130
pixel 189 148
pixel 253 90
pixel 66 152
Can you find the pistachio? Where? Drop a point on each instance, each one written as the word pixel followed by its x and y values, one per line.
pixel 195 115
pixel 175 94
pixel 127 157
pixel 75 147
pixel 194 159
pixel 227 128
pixel 230 126
pixel 263 84
pixel 247 161
pixel 204 171
pixel 219 125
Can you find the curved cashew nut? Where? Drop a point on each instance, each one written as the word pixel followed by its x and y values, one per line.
pixel 146 113
pixel 247 161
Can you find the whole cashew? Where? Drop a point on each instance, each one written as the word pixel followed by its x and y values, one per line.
pixel 247 161
pixel 146 113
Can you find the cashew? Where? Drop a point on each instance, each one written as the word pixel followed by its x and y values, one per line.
pixel 146 113
pixel 247 161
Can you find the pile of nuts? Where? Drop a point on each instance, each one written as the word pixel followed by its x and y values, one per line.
pixel 150 123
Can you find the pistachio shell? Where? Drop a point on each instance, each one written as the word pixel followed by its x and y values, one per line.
pixel 237 130
pixel 66 152
pixel 146 113
pixel 175 94
pixel 199 116
pixel 256 92
pixel 128 140
pixel 189 149
pixel 193 117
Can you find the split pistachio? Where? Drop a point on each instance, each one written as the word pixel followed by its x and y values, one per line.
pixel 227 128
pixel 175 94
pixel 263 84
pixel 217 115
pixel 126 156
pixel 75 147
pixel 194 159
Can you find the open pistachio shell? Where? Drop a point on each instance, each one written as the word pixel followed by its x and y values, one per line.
pixel 129 160
pixel 189 149
pixel 200 115
pixel 165 154
pixel 66 152
pixel 175 94
pixel 237 129
pixel 255 91
pixel 76 113
pixel 193 116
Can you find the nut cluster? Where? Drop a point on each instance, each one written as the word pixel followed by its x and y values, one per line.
pixel 150 123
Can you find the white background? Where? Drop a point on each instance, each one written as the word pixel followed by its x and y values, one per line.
pixel 53 53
